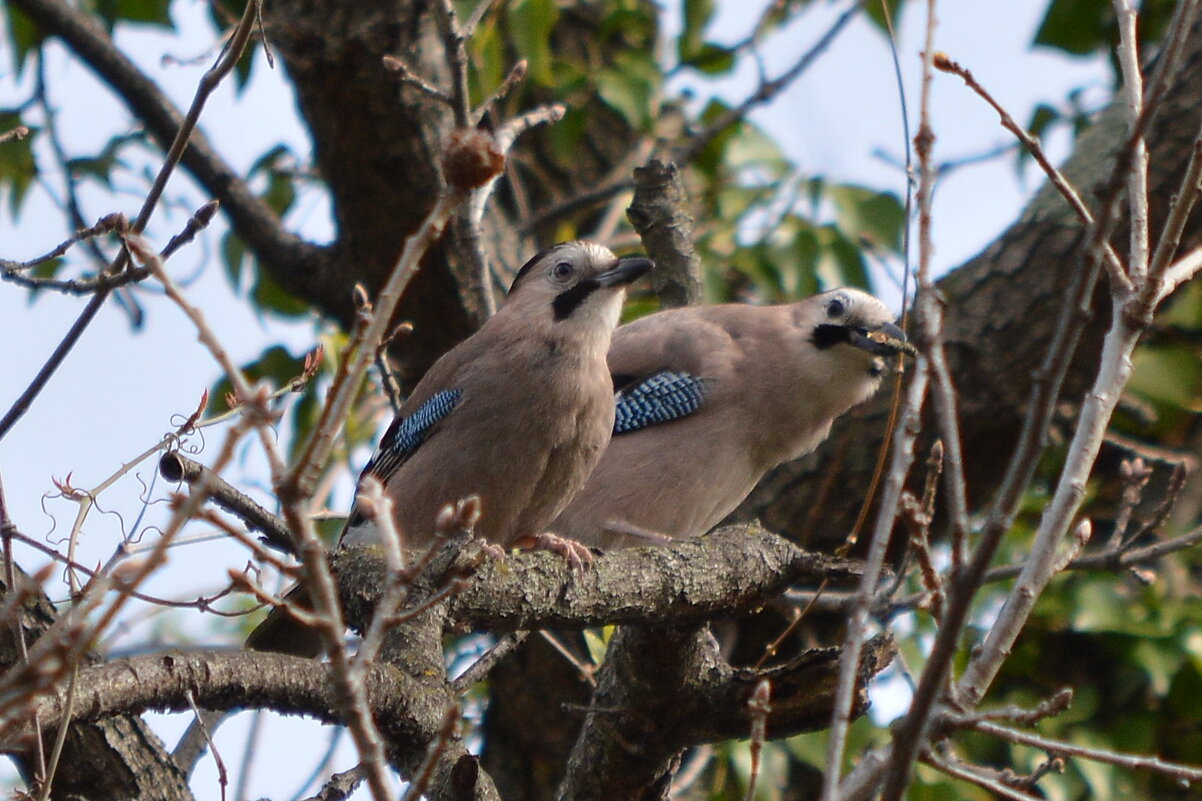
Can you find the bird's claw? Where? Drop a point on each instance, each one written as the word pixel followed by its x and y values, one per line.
pixel 577 554
pixel 492 550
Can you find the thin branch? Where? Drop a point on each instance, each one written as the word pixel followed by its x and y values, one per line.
pixel 176 467
pixel 1184 269
pixel 1137 177
pixel 187 126
pixel 407 76
pixel 223 778
pixel 106 224
pixel 767 90
pixel 14 135
pixel 453 42
pixel 1163 277
pixel 299 481
pixel 484 665
pixel 1186 773
pixel 1114 265
pixel 972 776
pixel 857 623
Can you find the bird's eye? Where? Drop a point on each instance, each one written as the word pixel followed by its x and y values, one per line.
pixel 562 270
pixel 836 307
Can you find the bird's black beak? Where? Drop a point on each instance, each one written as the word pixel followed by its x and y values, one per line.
pixel 628 269
pixel 883 341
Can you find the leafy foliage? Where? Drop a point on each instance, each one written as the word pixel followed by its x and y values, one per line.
pixel 1080 27
pixel 17 166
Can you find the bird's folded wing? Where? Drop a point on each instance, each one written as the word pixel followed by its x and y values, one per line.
pixel 654 399
pixel 406 434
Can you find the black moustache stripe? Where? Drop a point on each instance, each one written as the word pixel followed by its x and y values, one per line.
pixel 569 300
pixel 827 335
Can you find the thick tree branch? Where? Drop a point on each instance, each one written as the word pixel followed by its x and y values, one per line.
pixel 658 213
pixel 662 689
pixel 733 569
pixel 231 680
pixel 116 759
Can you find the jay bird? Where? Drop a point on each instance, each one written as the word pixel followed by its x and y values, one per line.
pixel 518 415
pixel 709 398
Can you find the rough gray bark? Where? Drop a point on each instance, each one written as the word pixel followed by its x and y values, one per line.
pixel 115 759
pixel 662 689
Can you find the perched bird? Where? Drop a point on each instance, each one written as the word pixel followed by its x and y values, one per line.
pixel 709 398
pixel 518 415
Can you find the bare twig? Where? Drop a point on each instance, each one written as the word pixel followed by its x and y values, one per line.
pixel 13 135
pixel 409 77
pixel 974 776
pixel 106 224
pixel 767 90
pixel 8 530
pixel 223 779
pixel 1114 265
pixel 453 42
pixel 484 665
pixel 1174 770
pixel 760 706
pixel 208 82
pixel 1137 175
pixel 175 467
pixel 299 481
pixel 105 281
pixel 437 748
pixel 857 623
pixel 60 738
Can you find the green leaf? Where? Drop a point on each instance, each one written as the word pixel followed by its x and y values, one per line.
pixel 17 165
pixel 630 86
pixel 281 188
pixel 697 15
pixel 865 214
pixel 233 255
pixel 47 269
pixel 281 192
pixel 24 36
pixel 597 642
pixel 1041 120
pixel 877 14
pixel 531 22
pixel 1081 27
pixel 488 64
pixel 1167 375
pixel 244 67
pixel 840 263
pixel 1076 26
pixel 148 12
pixel 270 296
pixel 750 147
pixel 712 59
pixel 103 163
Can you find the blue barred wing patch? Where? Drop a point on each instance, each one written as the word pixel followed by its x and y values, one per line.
pixel 657 399
pixel 406 434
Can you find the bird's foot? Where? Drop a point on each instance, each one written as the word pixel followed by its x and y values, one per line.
pixel 491 550
pixel 577 554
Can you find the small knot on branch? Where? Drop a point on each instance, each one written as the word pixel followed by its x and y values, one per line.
pixel 471 159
